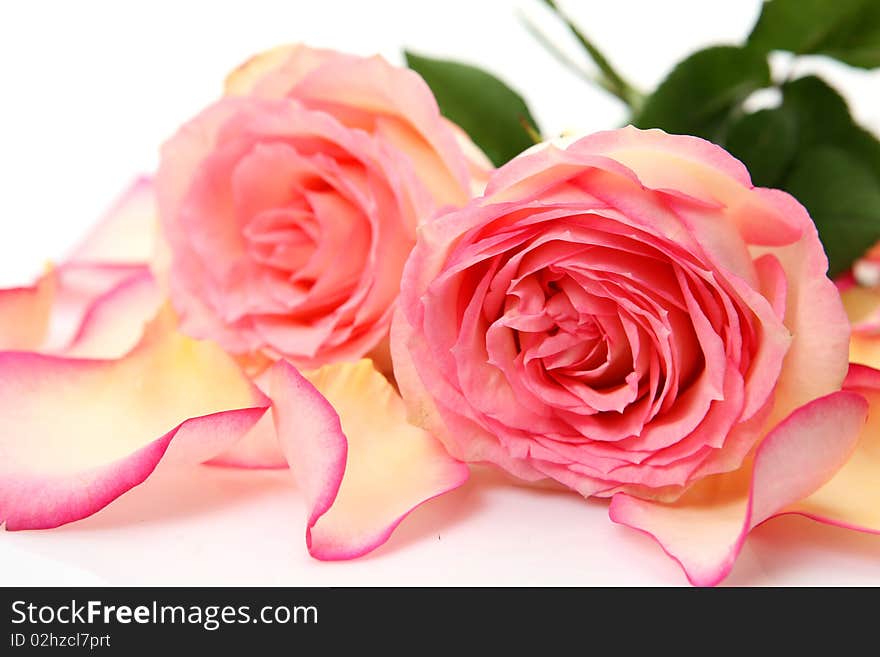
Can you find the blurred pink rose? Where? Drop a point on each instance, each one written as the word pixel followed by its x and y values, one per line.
pixel 288 211
pixel 630 317
pixel 291 205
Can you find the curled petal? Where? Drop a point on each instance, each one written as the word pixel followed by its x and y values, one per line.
pixel 369 93
pixel 104 291
pixel 360 465
pixel 48 315
pixel 259 448
pixel 81 291
pixel 852 497
pixel 79 433
pixel 705 529
pixel 115 322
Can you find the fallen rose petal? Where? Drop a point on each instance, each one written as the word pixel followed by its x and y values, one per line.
pixel 67 295
pixel 705 529
pixel 259 448
pixel 79 433
pixel 48 315
pixel 852 498
pixel 25 312
pixel 115 322
pixel 129 231
pixel 110 268
pixel 360 465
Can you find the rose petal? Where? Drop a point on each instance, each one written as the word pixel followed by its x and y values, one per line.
pixel 399 97
pixel 862 306
pixel 370 94
pixel 77 434
pixel 48 315
pixel 259 448
pixel 25 312
pixel 292 62
pixel 115 322
pixel 78 288
pixel 128 233
pixel 463 438
pixel 705 529
pixel 852 497
pixel 360 465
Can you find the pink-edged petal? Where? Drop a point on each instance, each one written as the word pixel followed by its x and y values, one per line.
pixel 259 448
pixel 275 70
pixel 48 315
pixel 25 313
pixel 115 322
pixel 78 433
pixel 361 466
pixel 51 315
pixel 78 289
pixel 129 231
pixel 705 529
pixel 852 497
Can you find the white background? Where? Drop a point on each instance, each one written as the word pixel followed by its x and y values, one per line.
pixel 89 91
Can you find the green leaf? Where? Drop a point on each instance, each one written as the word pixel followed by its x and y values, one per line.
pixel 842 195
pixel 831 165
pixel 864 145
pixel 823 118
pixel 494 115
pixel 766 142
pixel 698 96
pixel 822 113
pixel 848 30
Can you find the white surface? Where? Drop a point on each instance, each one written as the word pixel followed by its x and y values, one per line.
pixel 214 526
pixel 91 88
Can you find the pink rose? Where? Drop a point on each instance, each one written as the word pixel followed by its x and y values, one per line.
pixel 291 205
pixel 630 317
pixel 107 391
pixel 288 209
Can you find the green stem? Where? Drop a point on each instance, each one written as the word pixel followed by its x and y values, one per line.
pixel 561 56
pixel 533 134
pixel 610 78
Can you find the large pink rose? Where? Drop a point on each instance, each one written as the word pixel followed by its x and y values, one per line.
pixel 630 317
pixel 291 205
